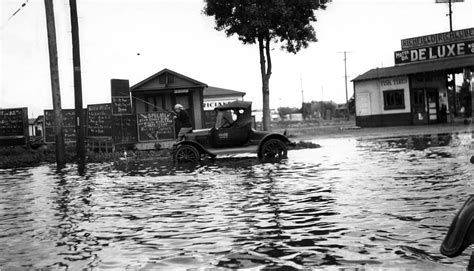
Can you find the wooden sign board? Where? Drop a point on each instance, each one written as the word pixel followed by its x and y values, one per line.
pixel 120 92
pixel 13 126
pixel 69 125
pixel 99 119
pixel 124 129
pixel 121 105
pixel 154 126
pixel 434 52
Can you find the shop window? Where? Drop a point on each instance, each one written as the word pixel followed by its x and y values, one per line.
pixel 394 99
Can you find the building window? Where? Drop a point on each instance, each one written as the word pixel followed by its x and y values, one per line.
pixel 394 99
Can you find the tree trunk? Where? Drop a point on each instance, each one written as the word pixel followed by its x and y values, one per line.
pixel 266 71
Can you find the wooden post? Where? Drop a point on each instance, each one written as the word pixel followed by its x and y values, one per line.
pixel 53 63
pixel 76 60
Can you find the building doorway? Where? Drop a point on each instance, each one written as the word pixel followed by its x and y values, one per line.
pixel 418 106
pixel 432 105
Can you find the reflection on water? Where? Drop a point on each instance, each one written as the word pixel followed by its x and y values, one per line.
pixel 381 202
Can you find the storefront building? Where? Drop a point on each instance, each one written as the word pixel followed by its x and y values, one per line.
pixel 161 91
pixel 420 88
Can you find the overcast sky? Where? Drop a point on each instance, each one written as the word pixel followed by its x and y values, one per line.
pixel 133 39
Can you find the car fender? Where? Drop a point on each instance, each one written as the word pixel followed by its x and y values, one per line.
pixel 195 144
pixel 281 137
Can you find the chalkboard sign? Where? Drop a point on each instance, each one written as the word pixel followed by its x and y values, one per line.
pixel 99 120
pixel 121 105
pixel 69 125
pixel 124 129
pixel 119 87
pixel 154 126
pixel 13 126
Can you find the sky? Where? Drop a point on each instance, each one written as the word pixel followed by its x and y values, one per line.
pixel 134 39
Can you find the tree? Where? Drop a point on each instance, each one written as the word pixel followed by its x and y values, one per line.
pixel 283 22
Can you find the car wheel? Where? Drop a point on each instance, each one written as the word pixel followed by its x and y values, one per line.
pixel 186 153
pixel 273 149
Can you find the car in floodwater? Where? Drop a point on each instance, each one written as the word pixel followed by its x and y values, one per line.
pixel 232 133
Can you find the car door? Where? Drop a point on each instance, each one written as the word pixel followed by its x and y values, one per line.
pixel 229 130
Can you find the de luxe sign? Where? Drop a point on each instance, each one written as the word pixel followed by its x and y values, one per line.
pixel 434 52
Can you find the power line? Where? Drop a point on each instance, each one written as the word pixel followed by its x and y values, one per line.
pixel 14 13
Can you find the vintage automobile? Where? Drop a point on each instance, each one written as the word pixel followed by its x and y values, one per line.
pixel 232 133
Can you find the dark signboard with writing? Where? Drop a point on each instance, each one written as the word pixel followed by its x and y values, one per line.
pixel 69 125
pixel 121 102
pixel 120 87
pixel 124 129
pixel 434 52
pixel 99 120
pixel 13 126
pixel 154 126
pixel 440 38
pixel 121 105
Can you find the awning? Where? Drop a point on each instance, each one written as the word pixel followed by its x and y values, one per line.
pixel 449 64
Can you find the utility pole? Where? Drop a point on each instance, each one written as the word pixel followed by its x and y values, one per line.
pixel 345 82
pixel 53 63
pixel 450 18
pixel 302 98
pixel 301 85
pixel 76 60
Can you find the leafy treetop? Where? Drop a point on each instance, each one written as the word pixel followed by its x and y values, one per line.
pixel 285 21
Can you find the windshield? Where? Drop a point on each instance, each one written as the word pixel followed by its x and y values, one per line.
pixel 224 118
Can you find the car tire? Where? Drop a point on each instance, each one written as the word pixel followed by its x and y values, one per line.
pixel 273 149
pixel 186 153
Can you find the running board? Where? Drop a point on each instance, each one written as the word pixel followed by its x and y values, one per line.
pixel 248 149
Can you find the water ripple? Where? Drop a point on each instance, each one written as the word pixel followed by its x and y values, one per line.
pixel 352 203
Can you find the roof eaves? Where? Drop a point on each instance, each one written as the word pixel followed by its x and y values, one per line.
pixel 141 83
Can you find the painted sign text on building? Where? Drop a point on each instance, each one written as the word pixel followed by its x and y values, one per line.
pixel 394 81
pixel 440 38
pixel 434 52
pixel 211 104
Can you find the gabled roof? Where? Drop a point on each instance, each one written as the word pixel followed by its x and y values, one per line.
pixel 39 119
pixel 221 92
pixel 193 82
pixel 421 67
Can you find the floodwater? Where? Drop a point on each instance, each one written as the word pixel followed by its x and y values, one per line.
pixel 371 204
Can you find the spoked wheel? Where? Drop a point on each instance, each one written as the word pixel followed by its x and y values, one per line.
pixel 186 153
pixel 273 149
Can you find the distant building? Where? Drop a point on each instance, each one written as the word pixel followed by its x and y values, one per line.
pixel 35 126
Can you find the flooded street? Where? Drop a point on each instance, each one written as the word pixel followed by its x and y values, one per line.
pixel 381 203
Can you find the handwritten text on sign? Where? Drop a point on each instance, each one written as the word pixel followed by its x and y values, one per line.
pixel 155 126
pixel 121 105
pixel 99 120
pixel 12 122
